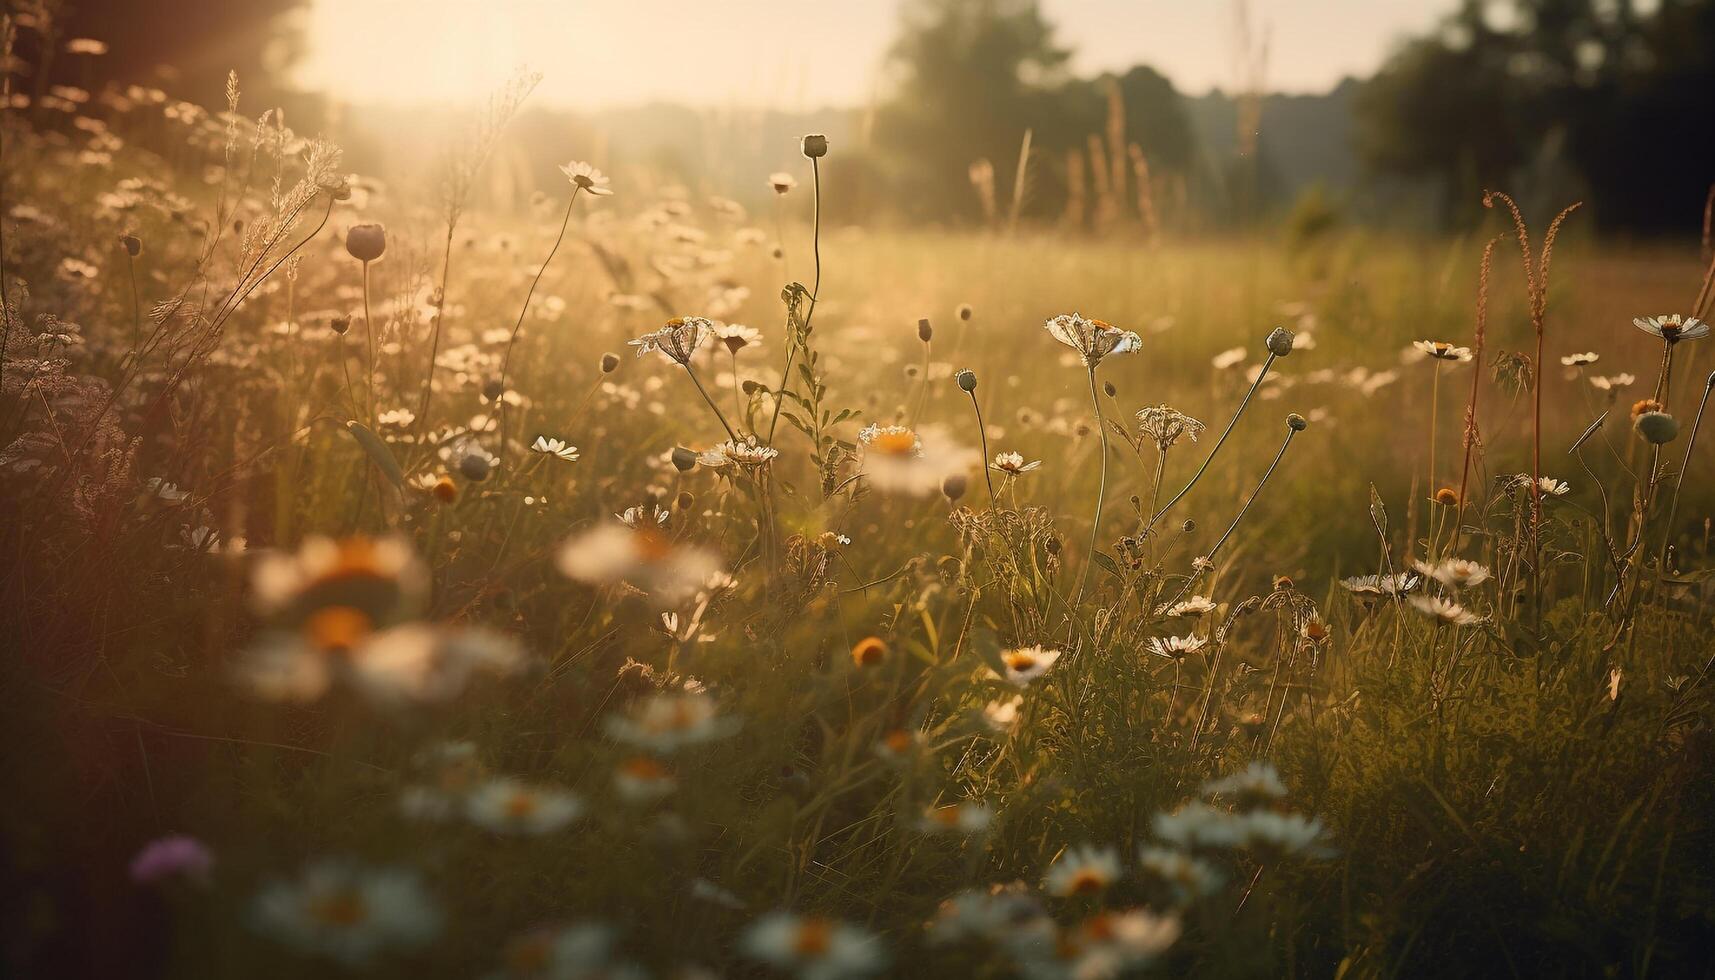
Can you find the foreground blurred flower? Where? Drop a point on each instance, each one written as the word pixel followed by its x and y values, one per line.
pixel 667 723
pixel 1444 610
pixel 1025 664
pixel 677 340
pixel 1198 824
pixel 175 856
pixel 1083 870
pixel 347 912
pixel 1002 716
pixel 1110 944
pixel 1257 782
pixel 963 818
pixel 640 556
pixel 558 448
pixel 414 662
pixel 1189 878
pixel 582 951
pixel 1092 339
pixel 584 176
pixel 381 578
pixel 1672 327
pixel 1000 913
pixel 813 948
pixel 641 779
pixel 897 459
pixel 508 806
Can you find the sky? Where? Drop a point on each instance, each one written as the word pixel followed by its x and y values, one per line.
pixel 798 54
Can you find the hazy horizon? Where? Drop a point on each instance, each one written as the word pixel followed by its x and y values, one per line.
pixel 775 54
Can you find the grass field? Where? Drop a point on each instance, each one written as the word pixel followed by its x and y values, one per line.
pixel 313 664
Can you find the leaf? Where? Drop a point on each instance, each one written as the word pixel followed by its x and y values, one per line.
pixel 378 452
pixel 1378 512
pixel 1107 564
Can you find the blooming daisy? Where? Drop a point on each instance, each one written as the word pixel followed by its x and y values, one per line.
pixel 348 913
pixel 558 448
pixel 1083 870
pixel 1277 833
pixel 1580 360
pixel 667 723
pixel 641 779
pixel 508 806
pixel 1442 351
pixel 1197 605
pixel 1672 327
pixel 1444 610
pixel 897 459
pixel 380 577
pixel 1013 464
pixel 737 336
pixel 813 948
pixel 1198 824
pixel 583 175
pixel 1025 664
pixel 1189 877
pixel 1002 716
pixel 1458 573
pixel 746 454
pixel 412 662
pixel 1176 647
pixel 1254 783
pixel 677 340
pixel 1092 339
pixel 1549 486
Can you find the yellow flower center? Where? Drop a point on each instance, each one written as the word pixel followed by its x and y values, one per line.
pixel 337 629
pixel 813 938
pixel 344 908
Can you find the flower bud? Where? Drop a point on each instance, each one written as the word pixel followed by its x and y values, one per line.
pixel 609 363
pixel 815 145
pixel 1657 428
pixel 367 242
pixel 685 501
pixel 924 330
pixel 340 324
pixel 967 379
pixel 1447 497
pixel 1188 526
pixel 683 459
pixel 954 485
pixel 1296 422
pixel 1279 342
pixel 1109 389
pixel 475 467
pixel 445 490
pixel 133 245
pixel 492 389
pixel 965 311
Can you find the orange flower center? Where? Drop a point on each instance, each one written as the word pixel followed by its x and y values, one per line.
pixel 1020 662
pixel 337 629
pixel 895 443
pixel 813 938
pixel 869 652
pixel 644 768
pixel 344 908
pixel 1087 882
pixel 897 740
pixel 521 805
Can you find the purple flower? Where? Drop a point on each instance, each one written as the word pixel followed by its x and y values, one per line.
pixel 176 855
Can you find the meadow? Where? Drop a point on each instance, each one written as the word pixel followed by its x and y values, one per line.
pixel 738 595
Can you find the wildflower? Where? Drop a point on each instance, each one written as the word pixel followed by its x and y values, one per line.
pixel 1013 464
pixel 1229 358
pixel 1189 877
pixel 1197 605
pixel 897 459
pixel 1025 664
pixel 1164 426
pixel 1083 870
pixel 347 912
pixel 583 175
pixel 1111 944
pixel 1176 647
pixel 781 181
pixel 366 242
pixel 1198 824
pixel 1002 716
pixel 1255 783
pixel 639 556
pixel 869 651
pixel 1657 428
pixel 677 340
pixel 413 662
pixel 896 744
pixel 1580 360
pixel 1444 610
pixel 637 517
pixel 1613 383
pixel 583 950
pixel 1549 486
pixel 667 723
pixel 1442 351
pixel 1092 339
pixel 1458 573
pixel 174 856
pixel 748 455
pixel 1280 834
pixel 1446 497
pixel 380 577
pixel 815 145
pixel 813 948
pixel 1377 585
pixel 737 336
pixel 997 913
pixel 1672 327
pixel 508 806
pixel 641 779
pixel 967 380
pixel 963 818
pixel 549 446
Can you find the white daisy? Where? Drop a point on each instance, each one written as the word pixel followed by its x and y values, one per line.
pixel 1176 647
pixel 593 181
pixel 508 806
pixel 1197 605
pixel 1013 463
pixel 347 912
pixel 549 446
pixel 1025 664
pixel 813 948
pixel 1442 351
pixel 1672 327
pixel 1444 610
pixel 667 723
pixel 1083 870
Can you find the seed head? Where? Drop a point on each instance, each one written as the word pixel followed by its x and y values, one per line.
pixel 475 467
pixel 340 324
pixel 366 242
pixel 1296 422
pixel 492 389
pixel 1279 342
pixel 133 245
pixel 685 501
pixel 1657 428
pixel 954 485
pixel 967 379
pixel 965 312
pixel 609 363
pixel 1447 497
pixel 815 146
pixel 683 459
pixel 1108 387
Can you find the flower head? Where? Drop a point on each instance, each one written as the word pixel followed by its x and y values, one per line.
pixel 1176 647
pixel 1083 870
pixel 1672 327
pixel 1442 350
pixel 1458 573
pixel 558 448
pixel 677 340
pixel 591 180
pixel 508 806
pixel 1164 425
pixel 746 454
pixel 812 947
pixel 1092 339
pixel 641 556
pixel 667 723
pixel 1013 464
pixel 348 913
pixel 1025 664
pixel 1444 610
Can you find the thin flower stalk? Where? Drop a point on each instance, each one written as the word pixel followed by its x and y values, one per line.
pixel 512 341
pixel 815 291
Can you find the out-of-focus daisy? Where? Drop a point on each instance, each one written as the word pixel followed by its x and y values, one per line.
pixel 813 948
pixel 1613 382
pixel 1013 464
pixel 1229 358
pixel 737 336
pixel 1276 833
pixel 1092 339
pixel 583 175
pixel 1025 664
pixel 413 662
pixel 962 818
pixel 642 779
pixel 678 340
pixel 1379 585
pixel 380 577
pixel 549 446
pixel 1189 877
pixel 781 181
pixel 744 454
pixel 999 913
pixel 1458 573
pixel 1672 327
pixel 1198 824
pixel 509 806
pixel 897 459
pixel 1444 610
pixel 449 772
pixel 667 723
pixel 1580 360
pixel 1255 783
pixel 1083 870
pixel 1176 647
pixel 569 952
pixel 174 856
pixel 1112 944
pixel 1197 605
pixel 641 556
pixel 348 913
pixel 1002 715
pixel 1442 350
pixel 897 744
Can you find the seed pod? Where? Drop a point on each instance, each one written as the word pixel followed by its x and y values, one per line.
pixel 1279 342
pixel 475 467
pixel 954 485
pixel 609 363
pixel 1296 422
pixel 1657 428
pixel 685 501
pixel 683 459
pixel 965 311
pixel 366 242
pixel 133 245
pixel 492 389
pixel 1109 389
pixel 340 324
pixel 967 379
pixel 815 146
pixel 924 330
